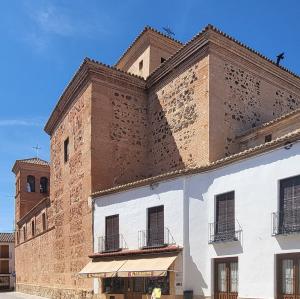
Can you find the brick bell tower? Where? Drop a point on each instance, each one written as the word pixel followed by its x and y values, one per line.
pixel 32 184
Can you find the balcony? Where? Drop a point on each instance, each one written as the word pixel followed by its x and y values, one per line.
pixel 286 222
pixel 224 232
pixel 154 238
pixel 111 243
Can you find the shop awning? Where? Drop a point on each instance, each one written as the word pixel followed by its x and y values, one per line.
pixel 129 267
pixel 102 268
pixel 146 267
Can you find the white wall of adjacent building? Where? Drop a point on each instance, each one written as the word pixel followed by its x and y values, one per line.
pixel 132 205
pixel 189 207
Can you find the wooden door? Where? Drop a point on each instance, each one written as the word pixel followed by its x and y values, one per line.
pixel 155 232
pixel 288 278
pixel 226 278
pixel 289 215
pixel 225 216
pixel 112 238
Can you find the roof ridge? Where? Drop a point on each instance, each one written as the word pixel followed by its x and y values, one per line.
pixel 147 27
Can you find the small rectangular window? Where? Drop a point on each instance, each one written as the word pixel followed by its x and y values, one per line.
pixel 268 138
pixel 162 60
pixel 32 228
pixel 44 221
pixel 66 150
pixel 141 65
pixel 24 233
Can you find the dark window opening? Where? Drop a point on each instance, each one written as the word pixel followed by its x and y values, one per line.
pixel 225 219
pixel 112 237
pixel 162 60
pixel 268 138
pixel 44 185
pixel 44 221
pixel 155 232
pixel 24 233
pixel 32 228
pixel 66 150
pixel 289 214
pixel 141 63
pixel 30 183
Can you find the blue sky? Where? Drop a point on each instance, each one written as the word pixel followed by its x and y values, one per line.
pixel 44 42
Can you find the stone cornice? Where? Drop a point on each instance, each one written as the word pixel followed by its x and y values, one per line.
pixel 87 70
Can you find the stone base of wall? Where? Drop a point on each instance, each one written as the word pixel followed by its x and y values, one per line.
pixel 56 293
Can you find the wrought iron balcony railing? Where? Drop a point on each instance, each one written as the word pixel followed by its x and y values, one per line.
pixel 111 243
pixel 224 232
pixel 155 238
pixel 286 222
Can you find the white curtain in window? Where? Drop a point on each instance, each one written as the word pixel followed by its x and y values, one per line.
pixel 234 277
pixel 287 276
pixel 222 281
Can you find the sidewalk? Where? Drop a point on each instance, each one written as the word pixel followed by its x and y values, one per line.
pixel 16 295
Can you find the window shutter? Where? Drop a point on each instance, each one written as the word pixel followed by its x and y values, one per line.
pixel 225 217
pixel 156 226
pixel 290 204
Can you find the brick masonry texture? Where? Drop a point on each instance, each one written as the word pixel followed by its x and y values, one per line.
pixel 122 128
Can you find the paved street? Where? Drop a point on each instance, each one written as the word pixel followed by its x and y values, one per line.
pixel 15 295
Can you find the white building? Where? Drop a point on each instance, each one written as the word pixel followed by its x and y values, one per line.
pixel 7 261
pixel 230 229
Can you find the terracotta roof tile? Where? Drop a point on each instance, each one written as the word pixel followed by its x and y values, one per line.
pixel 7 237
pixel 37 161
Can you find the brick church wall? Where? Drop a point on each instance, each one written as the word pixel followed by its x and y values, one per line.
pixel 243 96
pixel 119 134
pixel 178 118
